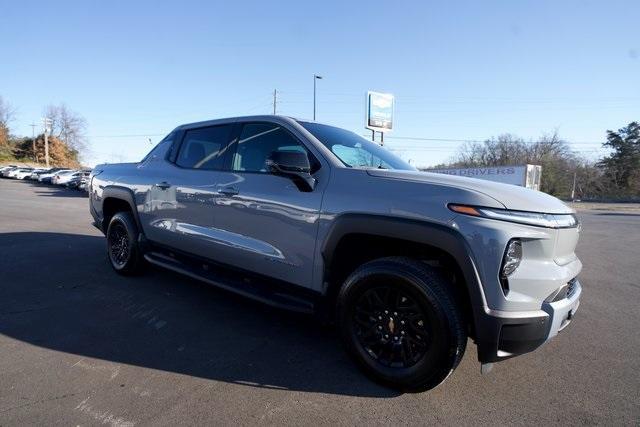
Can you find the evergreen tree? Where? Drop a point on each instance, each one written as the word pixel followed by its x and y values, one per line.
pixel 622 167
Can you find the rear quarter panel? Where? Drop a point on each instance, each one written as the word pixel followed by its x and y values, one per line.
pixel 126 175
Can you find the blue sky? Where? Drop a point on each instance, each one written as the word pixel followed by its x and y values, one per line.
pixel 459 70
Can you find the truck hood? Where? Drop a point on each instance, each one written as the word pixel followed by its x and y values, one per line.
pixel 510 196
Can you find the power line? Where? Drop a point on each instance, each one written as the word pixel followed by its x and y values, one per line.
pixel 451 149
pixel 421 98
pixel 405 138
pixel 479 140
pixel 140 135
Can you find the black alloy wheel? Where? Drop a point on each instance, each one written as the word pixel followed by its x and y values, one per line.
pixel 119 249
pixel 399 319
pixel 391 327
pixel 123 250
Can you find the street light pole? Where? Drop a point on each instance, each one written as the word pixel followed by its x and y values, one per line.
pixel 275 100
pixel 47 128
pixel 315 77
pixel 33 141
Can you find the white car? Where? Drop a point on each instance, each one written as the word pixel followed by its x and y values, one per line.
pixel 61 178
pixel 48 177
pixel 14 172
pixel 6 169
pixel 35 174
pixel 22 173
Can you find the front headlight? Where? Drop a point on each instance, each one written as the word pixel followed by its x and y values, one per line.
pixel 512 257
pixel 521 217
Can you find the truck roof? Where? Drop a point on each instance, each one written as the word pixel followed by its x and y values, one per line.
pixel 262 117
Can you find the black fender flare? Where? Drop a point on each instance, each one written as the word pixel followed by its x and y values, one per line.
pixel 432 234
pixel 124 194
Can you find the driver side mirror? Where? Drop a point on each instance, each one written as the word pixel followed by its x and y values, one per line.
pixel 292 164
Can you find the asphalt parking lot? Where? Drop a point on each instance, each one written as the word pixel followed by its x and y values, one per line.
pixel 81 345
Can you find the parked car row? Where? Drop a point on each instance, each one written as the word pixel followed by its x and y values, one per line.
pixel 71 178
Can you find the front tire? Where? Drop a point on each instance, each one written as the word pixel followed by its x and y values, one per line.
pixel 122 244
pixel 398 319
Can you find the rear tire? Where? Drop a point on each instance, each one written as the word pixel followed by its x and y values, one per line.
pixel 399 321
pixel 122 245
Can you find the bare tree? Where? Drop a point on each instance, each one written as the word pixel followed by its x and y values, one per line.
pixel 506 149
pixel 69 126
pixel 549 145
pixel 550 151
pixel 7 114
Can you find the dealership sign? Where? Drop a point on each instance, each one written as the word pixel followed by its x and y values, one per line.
pixel 379 111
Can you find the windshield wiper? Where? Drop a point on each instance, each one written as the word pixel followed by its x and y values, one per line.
pixel 370 167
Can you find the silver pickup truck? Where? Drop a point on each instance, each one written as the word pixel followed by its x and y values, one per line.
pixel 316 219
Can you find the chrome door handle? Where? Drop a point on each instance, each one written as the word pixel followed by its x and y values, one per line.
pixel 228 191
pixel 163 185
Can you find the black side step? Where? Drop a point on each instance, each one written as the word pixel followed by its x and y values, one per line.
pixel 217 276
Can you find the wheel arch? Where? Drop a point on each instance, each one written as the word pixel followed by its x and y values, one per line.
pixel 351 233
pixel 116 199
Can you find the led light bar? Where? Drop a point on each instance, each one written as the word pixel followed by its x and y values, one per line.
pixel 521 217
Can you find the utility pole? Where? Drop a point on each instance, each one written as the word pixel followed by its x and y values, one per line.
pixel 33 141
pixel 47 128
pixel 573 189
pixel 315 77
pixel 275 100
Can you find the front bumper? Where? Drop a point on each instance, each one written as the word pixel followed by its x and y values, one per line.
pixel 501 335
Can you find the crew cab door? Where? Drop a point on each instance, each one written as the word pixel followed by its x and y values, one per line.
pixel 180 208
pixel 265 222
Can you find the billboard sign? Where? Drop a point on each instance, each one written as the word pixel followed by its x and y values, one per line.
pixel 379 111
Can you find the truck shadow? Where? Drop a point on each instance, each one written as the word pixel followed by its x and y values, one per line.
pixel 74 303
pixel 50 190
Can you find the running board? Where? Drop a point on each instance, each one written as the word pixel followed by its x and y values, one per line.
pixel 263 292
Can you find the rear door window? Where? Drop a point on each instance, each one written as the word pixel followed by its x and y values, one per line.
pixel 204 148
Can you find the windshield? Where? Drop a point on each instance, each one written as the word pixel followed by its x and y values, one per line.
pixel 353 150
